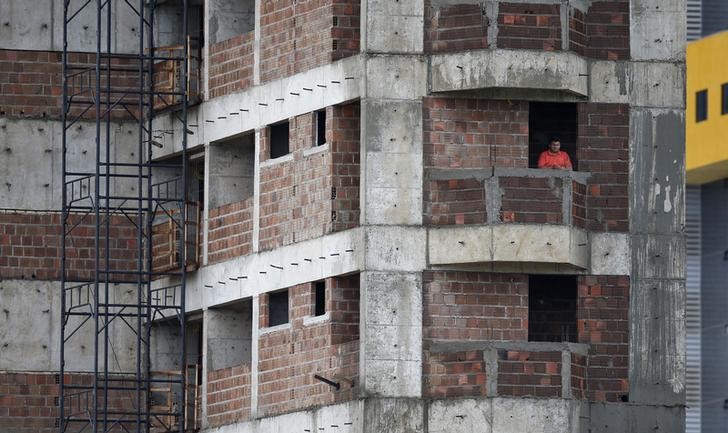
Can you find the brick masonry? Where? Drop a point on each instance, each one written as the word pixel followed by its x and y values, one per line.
pixel 603 151
pixel 228 395
pixel 297 198
pixel 31 83
pixel 452 28
pixel 472 306
pixel 534 200
pixel 603 323
pixel 529 26
pixel 29 402
pixel 296 36
pixel 30 245
pixel 230 231
pixel 607 30
pixel 289 357
pixel 231 65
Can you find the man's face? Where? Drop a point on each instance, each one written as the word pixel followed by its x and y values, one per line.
pixel 554 146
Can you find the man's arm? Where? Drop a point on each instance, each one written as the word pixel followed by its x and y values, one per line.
pixel 567 161
pixel 542 160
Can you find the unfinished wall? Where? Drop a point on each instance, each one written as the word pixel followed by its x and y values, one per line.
pixel 326 345
pixel 296 36
pixel 231 65
pixel 477 342
pixel 297 197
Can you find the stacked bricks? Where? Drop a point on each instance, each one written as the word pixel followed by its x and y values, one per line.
pixel 455 201
pixel 454 374
pixel 578 376
pixel 289 357
pixel 577 31
pixel 297 197
pixel 603 323
pixel 535 200
pixel 231 65
pixel 475 306
pixel 230 231
pixel 578 204
pixel 29 402
pixel 300 35
pixel 529 26
pixel 603 150
pixel 529 374
pixel 475 133
pixel 607 29
pixel 31 83
pixel 452 28
pixel 228 395
pixel 30 245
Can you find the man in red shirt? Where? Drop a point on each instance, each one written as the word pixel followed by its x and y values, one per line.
pixel 554 157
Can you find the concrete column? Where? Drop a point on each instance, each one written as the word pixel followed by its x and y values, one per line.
pixel 657 300
pixel 391 200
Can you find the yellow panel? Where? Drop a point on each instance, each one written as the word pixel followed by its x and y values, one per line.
pixel 707 141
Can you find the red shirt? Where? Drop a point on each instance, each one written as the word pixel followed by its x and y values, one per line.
pixel 554 160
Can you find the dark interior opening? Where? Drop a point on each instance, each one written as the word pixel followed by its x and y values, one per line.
pixel 551 119
pixel 320 298
pixel 278 308
pixel 320 127
pixel 552 302
pixel 279 140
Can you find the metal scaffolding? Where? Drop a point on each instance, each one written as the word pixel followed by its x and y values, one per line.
pixel 114 291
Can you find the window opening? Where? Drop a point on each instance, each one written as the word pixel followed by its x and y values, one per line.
pixel 279 140
pixel 548 120
pixel 278 308
pixel 701 106
pixel 320 298
pixel 552 303
pixel 320 127
pixel 724 98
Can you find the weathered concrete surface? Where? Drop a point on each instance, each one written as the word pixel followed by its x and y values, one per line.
pixel 37 143
pixel 229 18
pixel 30 321
pixel 228 335
pixel 391 333
pixel 510 69
pixel 231 166
pixel 657 278
pixel 621 418
pixel 392 27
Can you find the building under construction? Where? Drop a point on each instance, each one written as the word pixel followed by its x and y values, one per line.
pixel 302 216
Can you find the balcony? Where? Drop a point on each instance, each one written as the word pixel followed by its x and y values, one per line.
pixel 508 216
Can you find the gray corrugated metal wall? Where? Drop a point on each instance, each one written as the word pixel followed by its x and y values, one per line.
pixel 714 307
pixel 715 16
pixel 692 311
pixel 695 19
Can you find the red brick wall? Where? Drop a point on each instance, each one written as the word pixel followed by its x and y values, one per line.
pixel 607 30
pixel 29 401
pixel 230 231
pixel 475 133
pixel 603 323
pixel 30 246
pixel 455 201
pixel 578 376
pixel 296 200
pixel 529 374
pixel 31 83
pixel 231 65
pixel 529 26
pixel 299 35
pixel 454 374
pixel 535 200
pixel 452 28
pixel 289 358
pixel 578 204
pixel 228 395
pixel 577 31
pixel 603 150
pixel 475 306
